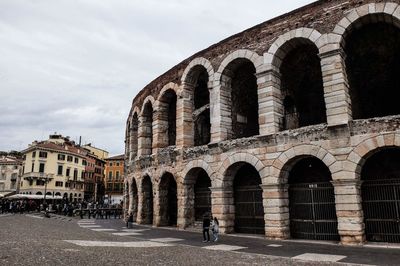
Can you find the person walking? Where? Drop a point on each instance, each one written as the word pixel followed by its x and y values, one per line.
pixel 215 228
pixel 206 227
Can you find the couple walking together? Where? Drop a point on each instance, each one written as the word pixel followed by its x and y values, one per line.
pixel 207 223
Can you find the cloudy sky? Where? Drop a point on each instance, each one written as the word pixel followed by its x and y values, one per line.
pixel 74 66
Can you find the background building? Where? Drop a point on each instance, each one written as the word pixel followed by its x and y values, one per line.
pixel 10 174
pixel 57 166
pixel 114 178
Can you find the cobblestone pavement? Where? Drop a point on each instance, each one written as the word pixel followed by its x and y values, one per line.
pixel 35 240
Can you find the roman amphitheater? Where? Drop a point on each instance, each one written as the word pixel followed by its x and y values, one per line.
pixel 289 129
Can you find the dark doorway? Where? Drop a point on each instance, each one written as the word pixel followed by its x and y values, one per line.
pixel 134 203
pixel 202 195
pixel 302 88
pixel 167 117
pixel 244 98
pixel 249 210
pixel 373 70
pixel 380 192
pixel 168 200
pixel 201 114
pixel 147 129
pixel 312 201
pixel 147 211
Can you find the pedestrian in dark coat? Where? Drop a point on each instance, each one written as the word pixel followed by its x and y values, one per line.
pixel 206 227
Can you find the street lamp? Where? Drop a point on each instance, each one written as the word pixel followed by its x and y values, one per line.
pixel 45 178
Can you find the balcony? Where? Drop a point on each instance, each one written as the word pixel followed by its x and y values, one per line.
pixel 36 175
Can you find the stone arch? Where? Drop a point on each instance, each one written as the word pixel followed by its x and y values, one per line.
pixel 224 169
pixel 167 197
pixel 197 164
pixel 256 59
pixel 279 172
pixel 277 51
pixel 361 152
pixel 169 86
pixel 150 99
pixel 293 65
pixel 145 199
pixel 197 80
pixel 146 125
pixel 187 76
pixel 165 120
pixel 235 84
pixel 359 16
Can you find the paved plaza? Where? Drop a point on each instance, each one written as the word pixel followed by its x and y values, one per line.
pixel 35 240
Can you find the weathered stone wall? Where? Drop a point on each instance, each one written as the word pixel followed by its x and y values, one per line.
pixel 342 144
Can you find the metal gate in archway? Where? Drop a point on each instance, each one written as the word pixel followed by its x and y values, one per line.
pixel 249 211
pixel 381 206
pixel 312 211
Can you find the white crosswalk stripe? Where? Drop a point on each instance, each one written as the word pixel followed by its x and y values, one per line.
pixel 319 257
pixel 137 244
pixel 34 216
pixel 127 234
pixel 166 239
pixel 134 230
pixel 90 226
pixel 224 247
pixel 103 229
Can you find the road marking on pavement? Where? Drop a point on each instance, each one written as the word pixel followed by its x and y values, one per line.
pixel 102 229
pixel 90 226
pixel 127 234
pixel 34 216
pixel 274 245
pixel 134 230
pixel 224 247
pixel 137 244
pixel 166 239
pixel 319 257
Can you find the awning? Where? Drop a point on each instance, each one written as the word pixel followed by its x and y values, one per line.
pixel 29 196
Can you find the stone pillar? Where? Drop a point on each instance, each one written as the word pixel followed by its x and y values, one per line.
pixel 186 205
pixel 145 137
pixel 222 206
pixel 336 87
pixel 130 196
pixel 270 109
pixel 349 211
pixel 126 200
pixel 184 119
pixel 220 109
pixel 157 201
pixel 160 126
pixel 276 211
pixel 139 218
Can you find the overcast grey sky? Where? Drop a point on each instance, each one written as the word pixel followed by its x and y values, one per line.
pixel 73 67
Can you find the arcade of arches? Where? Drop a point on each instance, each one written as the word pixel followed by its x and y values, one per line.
pixel 296 135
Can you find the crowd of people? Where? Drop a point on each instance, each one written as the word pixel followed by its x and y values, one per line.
pixel 62 207
pixel 18 206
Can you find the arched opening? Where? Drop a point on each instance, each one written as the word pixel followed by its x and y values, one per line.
pixel 57 194
pixel 201 113
pixel 48 194
pixel 380 192
pixel 168 200
pixel 134 137
pixel 147 205
pixel 198 185
pixel 242 82
pixel 373 67
pixel 302 86
pixel 134 203
pixel 312 208
pixel 39 193
pixel 248 200
pixel 147 129
pixel 167 119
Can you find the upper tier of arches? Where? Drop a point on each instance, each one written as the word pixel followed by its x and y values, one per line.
pixel 304 78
